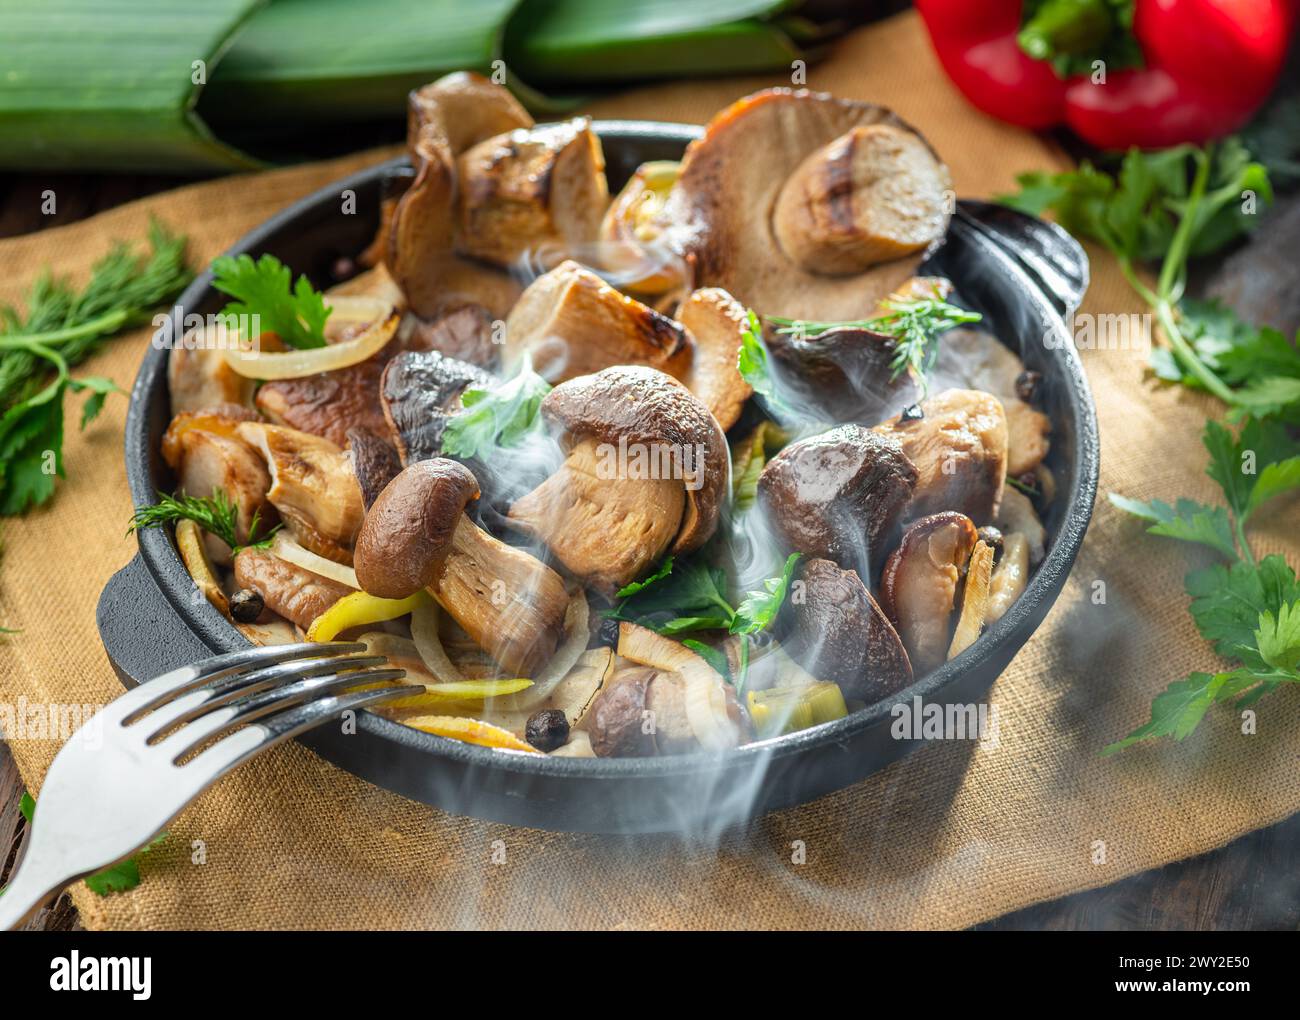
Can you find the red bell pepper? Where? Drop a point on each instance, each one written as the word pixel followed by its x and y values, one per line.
pixel 1203 66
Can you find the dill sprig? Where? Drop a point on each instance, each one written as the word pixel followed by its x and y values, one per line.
pixel 124 288
pixel 215 514
pixel 915 324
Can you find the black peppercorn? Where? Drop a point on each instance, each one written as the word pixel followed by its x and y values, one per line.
pixel 1028 384
pixel 608 633
pixel 912 413
pixel 246 605
pixel 546 730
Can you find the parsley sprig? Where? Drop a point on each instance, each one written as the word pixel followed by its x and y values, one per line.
pixel 499 417
pixel 294 312
pixel 215 514
pixel 1247 608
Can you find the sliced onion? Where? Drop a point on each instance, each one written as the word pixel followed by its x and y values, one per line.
pixel 309 361
pixel 355 309
pixel 576 635
pixel 290 551
pixel 706 701
pixel 424 631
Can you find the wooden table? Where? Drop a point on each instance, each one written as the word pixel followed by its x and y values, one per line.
pixel 1252 883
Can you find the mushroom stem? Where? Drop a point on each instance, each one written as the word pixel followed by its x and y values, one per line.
pixel 509 602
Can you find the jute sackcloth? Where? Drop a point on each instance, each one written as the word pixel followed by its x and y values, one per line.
pixel 951 836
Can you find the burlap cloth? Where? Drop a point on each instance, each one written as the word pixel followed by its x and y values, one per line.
pixel 952 836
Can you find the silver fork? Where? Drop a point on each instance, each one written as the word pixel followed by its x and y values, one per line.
pixel 104 799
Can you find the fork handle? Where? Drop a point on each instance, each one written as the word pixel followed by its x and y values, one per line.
pixel 28 890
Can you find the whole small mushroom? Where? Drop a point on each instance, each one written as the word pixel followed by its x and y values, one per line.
pixel 416 535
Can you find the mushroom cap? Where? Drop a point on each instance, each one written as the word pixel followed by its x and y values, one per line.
pixel 839 633
pixel 720 212
pixel 642 406
pixel 407 532
pixel 374 462
pixel 420 392
pixel 716 320
pixel 838 495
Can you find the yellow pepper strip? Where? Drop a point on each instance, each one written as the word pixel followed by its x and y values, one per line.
pixel 357 610
pixel 786 709
pixel 466 692
pixel 472 731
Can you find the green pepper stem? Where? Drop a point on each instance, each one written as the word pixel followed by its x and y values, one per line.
pixel 1066 26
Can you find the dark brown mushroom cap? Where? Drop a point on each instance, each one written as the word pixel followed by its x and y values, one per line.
pixel 846 372
pixel 644 407
pixel 838 495
pixel 420 391
pixel 838 632
pixel 407 533
pixel 374 462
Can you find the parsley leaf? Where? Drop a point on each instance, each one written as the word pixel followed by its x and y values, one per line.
pixel 1278 637
pixel 1186 520
pixel 1179 709
pixel 759 609
pixel 499 417
pixel 713 656
pixel 1227 603
pixel 294 312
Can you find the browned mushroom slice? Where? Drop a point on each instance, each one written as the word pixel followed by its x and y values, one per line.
pixel 532 191
pixel 416 535
pixel 839 495
pixel 632 251
pixel 286 588
pixel 715 322
pixel 420 391
pixel 641 425
pixel 616 721
pixel 374 462
pixel 874 194
pixel 444 119
pixel 974 599
pixel 327 404
pixel 198 375
pixel 839 633
pixel 919 584
pixel 720 211
pixel 209 461
pixel 219 419
pixel 465 334
pixel 959 447
pixel 572 322
pixel 313 487
pixel 601 526
pixel 975 360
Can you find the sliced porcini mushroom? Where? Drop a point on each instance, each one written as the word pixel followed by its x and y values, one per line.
pixel 420 391
pixel 416 535
pixel 874 194
pixel 374 461
pixel 715 322
pixel 465 333
pixel 762 153
pixel 631 248
pixel 327 404
pixel 219 419
pixel 645 473
pixel 976 360
pixel 312 486
pixel 848 372
pixel 839 495
pixel 974 599
pixel 839 633
pixel 286 588
pixel 1017 514
pixel 571 322
pixel 919 584
pixel 532 191
pixel 444 119
pixel 959 447
pixel 208 455
pixel 617 723
pixel 1009 577
pixel 198 375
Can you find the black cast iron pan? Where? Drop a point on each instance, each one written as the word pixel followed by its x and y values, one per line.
pixel 1026 276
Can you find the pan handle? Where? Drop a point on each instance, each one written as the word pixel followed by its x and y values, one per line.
pixel 1054 260
pixel 141 631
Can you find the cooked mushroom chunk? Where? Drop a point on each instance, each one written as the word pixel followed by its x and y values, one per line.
pixel 198 375
pixel 327 404
pixel 959 447
pixel 715 322
pixel 572 323
pixel 632 248
pixel 420 392
pixel 616 722
pixel 530 191
pixel 919 584
pixel 465 333
pixel 374 462
pixel 839 495
pixel 875 193
pixel 839 633
pixel 313 487
pixel 287 589
pixel 645 473
pixel 416 535
pixel 1017 514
